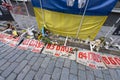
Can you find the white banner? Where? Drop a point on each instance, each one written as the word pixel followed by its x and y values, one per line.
pixel 96 60
pixel 33 45
pixel 57 50
pixel 24 45
pixel 5 38
pixel 36 46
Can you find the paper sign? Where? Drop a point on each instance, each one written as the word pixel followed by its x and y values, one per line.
pixel 90 59
pixel 25 44
pixel 36 46
pixel 111 61
pixel 14 42
pixel 57 50
pixel 5 38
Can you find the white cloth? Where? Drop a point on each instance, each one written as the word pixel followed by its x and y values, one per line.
pixel 70 3
pixel 81 3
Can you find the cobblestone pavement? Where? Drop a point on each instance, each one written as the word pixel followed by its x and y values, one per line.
pixel 17 64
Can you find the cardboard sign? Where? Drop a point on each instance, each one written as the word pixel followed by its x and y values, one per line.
pixel 57 50
pixel 33 45
pixel 111 61
pixel 5 38
pixel 36 46
pixel 25 44
pixel 90 59
pixel 14 42
pixel 96 60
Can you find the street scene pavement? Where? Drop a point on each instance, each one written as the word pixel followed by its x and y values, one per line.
pixel 16 64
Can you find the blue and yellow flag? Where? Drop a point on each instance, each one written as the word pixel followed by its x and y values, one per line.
pixel 64 16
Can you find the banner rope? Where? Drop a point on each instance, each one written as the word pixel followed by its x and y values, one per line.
pixel 43 16
pixel 81 22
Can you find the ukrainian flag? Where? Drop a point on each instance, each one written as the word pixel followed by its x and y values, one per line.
pixel 66 18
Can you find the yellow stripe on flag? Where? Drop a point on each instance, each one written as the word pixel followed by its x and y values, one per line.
pixel 68 24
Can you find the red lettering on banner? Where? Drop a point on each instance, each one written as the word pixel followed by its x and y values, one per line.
pixel 39 44
pixel 64 49
pixel 25 42
pixel 16 39
pixel 105 60
pixel 10 37
pixel 96 57
pixel 82 55
pixel 57 47
pixel 90 55
pixel 117 59
pixel 32 43
pixel 52 47
pixel 36 50
pixel 71 49
pixel 92 66
pixel 112 61
pixel 48 46
pixel 57 54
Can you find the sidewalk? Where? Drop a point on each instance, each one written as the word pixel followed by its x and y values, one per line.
pixel 17 64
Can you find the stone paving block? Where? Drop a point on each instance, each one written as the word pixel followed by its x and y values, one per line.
pixel 88 68
pixel 48 55
pixel 29 56
pixel 16 56
pixel 50 67
pixel 32 61
pixel 37 64
pixel 73 77
pixel 80 66
pixel 30 75
pixel 3 67
pixel 54 58
pixel 73 68
pixel 82 75
pixel 9 69
pixel 98 73
pixel 21 57
pixel 60 62
pixel 2 61
pixel 43 55
pixel 1 78
pixel 39 74
pixel 90 75
pixel 118 72
pixel 46 77
pixel 1 71
pixel 99 79
pixel 36 54
pixel 67 63
pixel 107 77
pixel 27 51
pixel 56 74
pixel 21 66
pixel 4 49
pixel 45 62
pixel 12 76
pixel 11 54
pixel 105 71
pixel 7 52
pixel 65 74
pixel 114 74
pixel 23 73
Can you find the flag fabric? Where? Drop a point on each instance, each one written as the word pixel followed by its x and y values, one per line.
pixel 64 16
